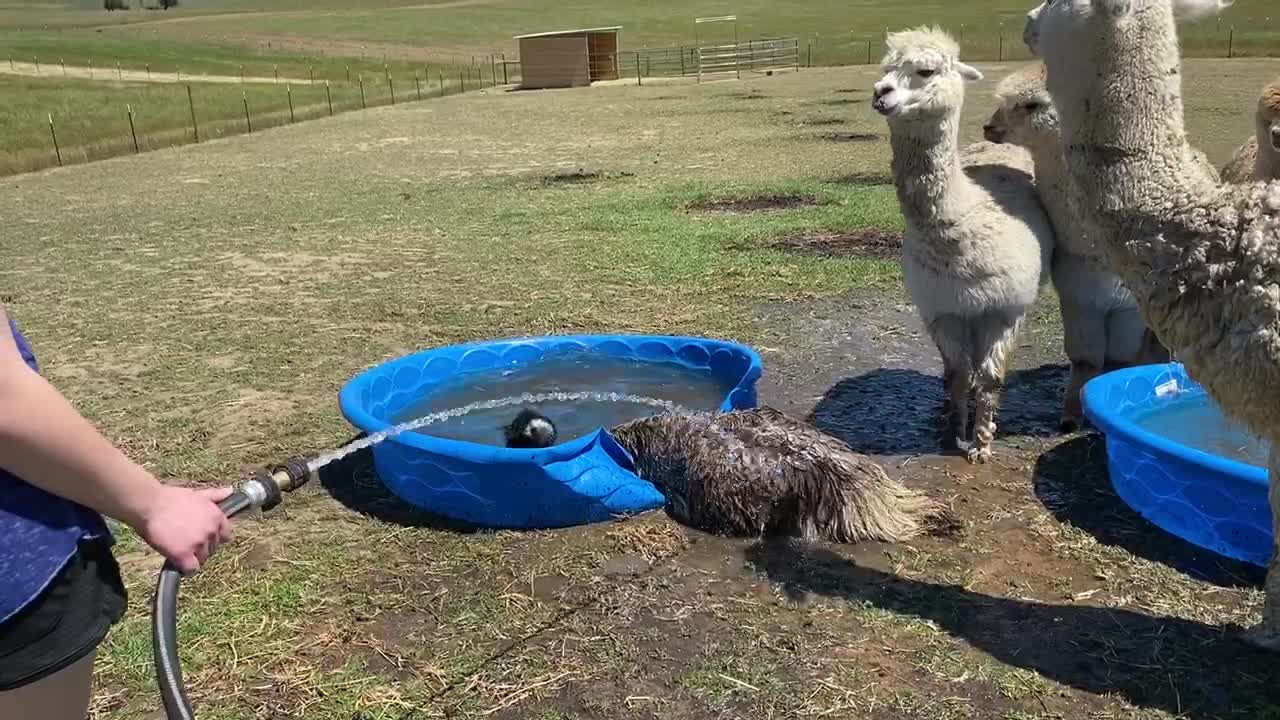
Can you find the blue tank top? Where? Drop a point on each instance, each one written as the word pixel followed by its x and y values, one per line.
pixel 39 531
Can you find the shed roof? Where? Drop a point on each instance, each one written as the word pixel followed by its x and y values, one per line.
pixel 614 28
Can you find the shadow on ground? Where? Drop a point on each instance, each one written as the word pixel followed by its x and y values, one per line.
pixel 353 481
pixel 1073 484
pixel 895 411
pixel 1185 668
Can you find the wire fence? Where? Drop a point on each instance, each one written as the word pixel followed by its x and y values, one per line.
pixel 82 122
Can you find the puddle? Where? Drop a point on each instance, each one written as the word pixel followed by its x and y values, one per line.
pixel 760 203
pixel 864 242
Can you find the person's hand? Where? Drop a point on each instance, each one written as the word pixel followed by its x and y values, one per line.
pixel 185 525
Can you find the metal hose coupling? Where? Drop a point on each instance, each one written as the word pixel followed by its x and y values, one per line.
pixel 264 487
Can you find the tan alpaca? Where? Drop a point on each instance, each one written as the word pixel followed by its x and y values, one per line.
pixel 1259 157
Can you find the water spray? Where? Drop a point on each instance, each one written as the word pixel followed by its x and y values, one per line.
pixel 264 490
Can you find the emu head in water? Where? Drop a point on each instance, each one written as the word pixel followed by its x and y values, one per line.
pixel 530 429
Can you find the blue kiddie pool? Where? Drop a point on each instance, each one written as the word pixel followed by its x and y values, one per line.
pixel 1175 458
pixel 460 468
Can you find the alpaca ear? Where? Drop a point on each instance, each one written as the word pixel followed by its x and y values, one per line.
pixel 968 72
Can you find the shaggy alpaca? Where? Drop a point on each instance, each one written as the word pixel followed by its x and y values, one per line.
pixel 978 242
pixel 759 471
pixel 1100 319
pixel 1202 258
pixel 1259 157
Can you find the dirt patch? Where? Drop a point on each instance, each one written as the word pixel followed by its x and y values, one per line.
pixel 864 179
pixel 842 101
pixel 856 137
pixel 820 121
pixel 864 242
pixel 581 177
pixel 760 203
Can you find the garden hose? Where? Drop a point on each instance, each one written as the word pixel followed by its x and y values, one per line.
pixel 262 490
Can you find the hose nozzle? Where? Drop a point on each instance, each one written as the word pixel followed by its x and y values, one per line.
pixel 264 488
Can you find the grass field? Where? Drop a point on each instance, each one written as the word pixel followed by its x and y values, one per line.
pixel 415 42
pixel 203 304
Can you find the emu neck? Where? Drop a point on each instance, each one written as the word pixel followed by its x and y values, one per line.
pixel 1121 107
pixel 926 165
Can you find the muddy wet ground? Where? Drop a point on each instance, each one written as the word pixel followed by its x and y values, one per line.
pixel 1056 601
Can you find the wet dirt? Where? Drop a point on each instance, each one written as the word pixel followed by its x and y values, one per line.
pixel 864 179
pixel 582 177
pixel 844 137
pixel 864 242
pixel 759 203
pixel 1055 601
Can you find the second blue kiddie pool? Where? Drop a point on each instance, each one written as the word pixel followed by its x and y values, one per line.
pixel 1179 462
pixel 461 468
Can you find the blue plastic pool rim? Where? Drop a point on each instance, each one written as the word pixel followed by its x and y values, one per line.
pixel 352 408
pixel 1123 426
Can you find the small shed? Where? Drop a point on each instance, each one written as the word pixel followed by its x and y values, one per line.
pixel 568 58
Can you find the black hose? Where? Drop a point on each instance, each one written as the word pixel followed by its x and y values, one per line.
pixel 164 626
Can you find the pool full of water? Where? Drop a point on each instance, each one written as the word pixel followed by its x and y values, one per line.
pixel 690 388
pixel 1195 421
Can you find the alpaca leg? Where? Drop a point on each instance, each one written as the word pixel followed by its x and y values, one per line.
pixel 994 339
pixel 1084 334
pixel 1267 633
pixel 952 338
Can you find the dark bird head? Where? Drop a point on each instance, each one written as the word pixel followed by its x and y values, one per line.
pixel 530 429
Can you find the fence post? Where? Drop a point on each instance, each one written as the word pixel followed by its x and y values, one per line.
pixel 132 130
pixel 53 133
pixel 90 69
pixel 392 86
pixel 36 60
pixel 195 127
pixel 363 105
pixel 328 96
pixel 682 70
pixel 505 79
pixel 148 66
pixel 241 74
pixel 63 63
pixel 288 91
pixel 10 62
pixel 639 80
pixel 275 69
pixel 248 123
pixel 462 81
pixel 1231 42
pixel 311 73
pixel 417 84
pixel 809 60
pixel 348 73
pixel 869 61
pixel 119 75
pixel 1000 57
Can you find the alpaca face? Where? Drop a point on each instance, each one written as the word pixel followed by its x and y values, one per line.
pixel 1269 116
pixel 921 82
pixel 1026 119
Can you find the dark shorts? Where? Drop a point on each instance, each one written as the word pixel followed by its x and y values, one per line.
pixel 67 621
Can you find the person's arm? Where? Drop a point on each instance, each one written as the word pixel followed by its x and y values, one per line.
pixel 46 442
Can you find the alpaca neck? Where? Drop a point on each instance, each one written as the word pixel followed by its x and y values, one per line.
pixel 1052 180
pixel 1122 116
pixel 926 165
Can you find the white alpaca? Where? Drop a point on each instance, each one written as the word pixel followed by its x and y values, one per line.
pixel 1202 258
pixel 1259 157
pixel 1100 320
pixel 978 242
